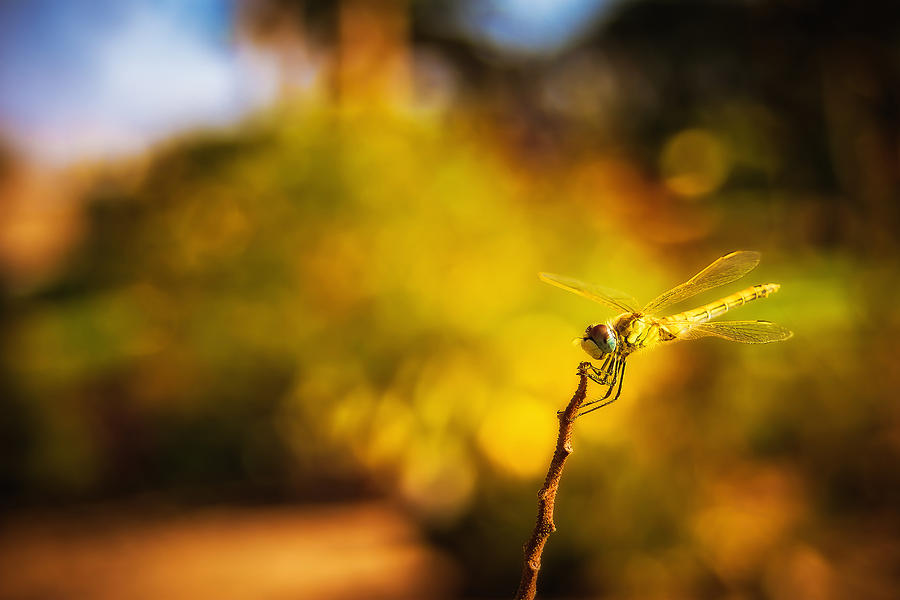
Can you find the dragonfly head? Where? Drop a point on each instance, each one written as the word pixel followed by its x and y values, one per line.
pixel 599 340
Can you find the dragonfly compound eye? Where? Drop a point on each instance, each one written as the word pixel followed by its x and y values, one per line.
pixel 602 337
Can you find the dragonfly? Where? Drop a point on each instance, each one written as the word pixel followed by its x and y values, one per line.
pixel 638 328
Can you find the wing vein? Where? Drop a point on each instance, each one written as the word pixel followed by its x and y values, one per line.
pixel 747 332
pixel 726 269
pixel 607 296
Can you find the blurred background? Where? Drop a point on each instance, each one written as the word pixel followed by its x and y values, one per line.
pixel 271 326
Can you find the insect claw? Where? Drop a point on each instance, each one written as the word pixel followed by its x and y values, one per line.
pixel 600 403
pixel 598 379
pixel 600 375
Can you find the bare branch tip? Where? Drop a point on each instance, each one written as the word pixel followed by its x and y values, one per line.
pixel 547 494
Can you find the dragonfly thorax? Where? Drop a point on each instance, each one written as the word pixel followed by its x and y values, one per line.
pixel 636 331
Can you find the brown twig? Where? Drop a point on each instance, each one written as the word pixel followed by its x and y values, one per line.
pixel 534 547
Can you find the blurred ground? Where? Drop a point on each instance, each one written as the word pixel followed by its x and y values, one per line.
pixel 328 552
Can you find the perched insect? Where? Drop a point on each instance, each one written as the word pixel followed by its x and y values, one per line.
pixel 636 328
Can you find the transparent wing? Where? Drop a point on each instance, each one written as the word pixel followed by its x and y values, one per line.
pixel 610 297
pixel 725 270
pixel 747 332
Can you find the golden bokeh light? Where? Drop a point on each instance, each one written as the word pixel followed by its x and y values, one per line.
pixel 694 162
pixel 517 437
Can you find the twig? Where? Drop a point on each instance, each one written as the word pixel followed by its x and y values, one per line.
pixel 534 547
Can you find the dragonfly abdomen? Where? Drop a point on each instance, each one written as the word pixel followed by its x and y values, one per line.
pixel 723 305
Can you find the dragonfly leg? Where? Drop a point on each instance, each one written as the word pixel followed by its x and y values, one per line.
pixel 609 372
pixel 600 375
pixel 621 378
pixel 614 371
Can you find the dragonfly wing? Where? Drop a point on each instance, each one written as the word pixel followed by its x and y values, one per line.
pixel 747 332
pixel 725 270
pixel 608 296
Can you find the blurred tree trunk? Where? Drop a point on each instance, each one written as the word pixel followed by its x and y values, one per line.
pixel 372 58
